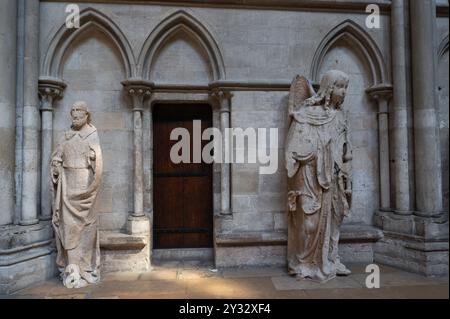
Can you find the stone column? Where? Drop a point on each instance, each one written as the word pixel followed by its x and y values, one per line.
pixel 49 91
pixel 30 175
pixel 8 27
pixel 150 156
pixel 401 145
pixel 138 90
pixel 381 95
pixel 426 126
pixel 224 100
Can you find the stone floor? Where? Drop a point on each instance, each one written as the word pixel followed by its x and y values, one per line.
pixel 190 280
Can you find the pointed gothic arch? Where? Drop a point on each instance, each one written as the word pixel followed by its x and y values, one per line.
pixel 171 25
pixel 64 37
pixel 352 32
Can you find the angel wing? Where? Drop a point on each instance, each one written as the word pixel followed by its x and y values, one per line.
pixel 301 89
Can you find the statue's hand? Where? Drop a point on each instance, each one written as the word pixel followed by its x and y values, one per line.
pixel 347 158
pixel 297 157
pixel 55 172
pixel 92 155
pixel 348 195
pixel 303 159
pixel 56 168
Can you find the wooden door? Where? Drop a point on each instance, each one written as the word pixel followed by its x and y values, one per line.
pixel 182 194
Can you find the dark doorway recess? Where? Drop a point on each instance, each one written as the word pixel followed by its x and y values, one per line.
pixel 183 203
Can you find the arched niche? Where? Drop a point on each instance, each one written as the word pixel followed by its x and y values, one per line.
pixel 342 49
pixel 181 28
pixel 361 41
pixel 92 66
pixel 181 60
pixel 64 37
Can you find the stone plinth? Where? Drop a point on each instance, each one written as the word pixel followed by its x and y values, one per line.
pixel 124 252
pixel 269 248
pixel 413 243
pixel 27 256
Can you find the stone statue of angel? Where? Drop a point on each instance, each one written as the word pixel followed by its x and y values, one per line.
pixel 318 162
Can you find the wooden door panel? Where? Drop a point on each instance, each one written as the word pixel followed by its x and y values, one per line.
pixel 169 212
pixel 182 192
pixel 197 200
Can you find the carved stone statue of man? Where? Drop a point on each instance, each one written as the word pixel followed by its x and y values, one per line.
pixel 76 168
pixel 318 158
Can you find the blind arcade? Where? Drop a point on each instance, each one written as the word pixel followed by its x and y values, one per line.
pixel 221 149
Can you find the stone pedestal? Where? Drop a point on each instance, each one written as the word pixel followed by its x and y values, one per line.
pixel 27 256
pixel 138 225
pixel 125 252
pixel 413 243
pixel 356 244
pixel 128 251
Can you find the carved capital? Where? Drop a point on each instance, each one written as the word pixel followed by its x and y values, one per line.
pixel 50 89
pixel 221 94
pixel 139 90
pixel 380 92
pixel 223 97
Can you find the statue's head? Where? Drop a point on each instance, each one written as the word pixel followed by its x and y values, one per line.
pixel 80 115
pixel 333 88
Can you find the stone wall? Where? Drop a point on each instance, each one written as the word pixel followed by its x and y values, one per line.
pixel 189 52
pixel 284 47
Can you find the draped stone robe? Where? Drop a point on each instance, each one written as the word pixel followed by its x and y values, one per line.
pixel 319 184
pixel 76 176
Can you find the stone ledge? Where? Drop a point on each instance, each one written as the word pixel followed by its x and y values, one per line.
pixel 360 233
pixel 414 243
pixel 429 246
pixel 349 234
pixel 251 239
pixel 111 240
pixel 124 252
pixel 22 266
pixel 414 238
pixel 270 4
pixel 429 259
pixel 411 227
pixel 16 236
pixel 183 254
pixel 29 272
pixel 17 255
